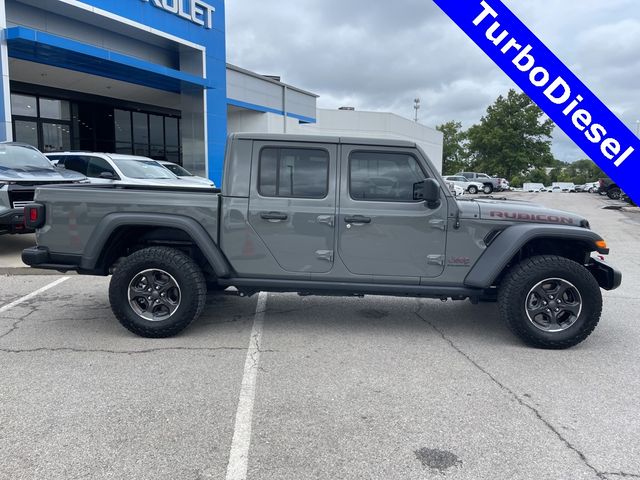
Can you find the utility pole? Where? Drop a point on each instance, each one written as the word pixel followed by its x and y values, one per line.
pixel 416 107
pixel 637 128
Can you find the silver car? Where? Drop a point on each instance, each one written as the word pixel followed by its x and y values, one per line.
pixel 114 168
pixel 22 169
pixel 185 174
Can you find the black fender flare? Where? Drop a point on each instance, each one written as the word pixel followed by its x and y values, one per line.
pixel 113 221
pixel 509 242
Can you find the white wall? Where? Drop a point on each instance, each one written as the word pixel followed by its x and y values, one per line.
pixel 347 123
pixel 343 123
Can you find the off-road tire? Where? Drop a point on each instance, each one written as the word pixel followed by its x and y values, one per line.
pixel 188 276
pixel 614 193
pixel 473 190
pixel 488 189
pixel 517 284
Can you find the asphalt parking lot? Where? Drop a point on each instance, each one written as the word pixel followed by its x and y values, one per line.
pixel 373 388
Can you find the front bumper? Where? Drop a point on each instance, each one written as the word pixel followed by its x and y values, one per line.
pixel 607 277
pixel 13 222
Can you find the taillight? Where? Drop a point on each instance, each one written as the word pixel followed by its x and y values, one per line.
pixel 34 215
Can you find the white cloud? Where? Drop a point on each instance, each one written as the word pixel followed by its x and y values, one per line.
pixel 381 55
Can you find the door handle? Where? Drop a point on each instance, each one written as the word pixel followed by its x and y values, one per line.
pixel 274 216
pixel 357 219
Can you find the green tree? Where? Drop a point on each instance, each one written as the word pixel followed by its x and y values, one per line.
pixel 511 138
pixel 455 157
pixel 539 175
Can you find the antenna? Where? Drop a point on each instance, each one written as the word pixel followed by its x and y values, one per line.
pixel 416 107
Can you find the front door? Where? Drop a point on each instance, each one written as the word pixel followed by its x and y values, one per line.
pixel 382 231
pixel 292 206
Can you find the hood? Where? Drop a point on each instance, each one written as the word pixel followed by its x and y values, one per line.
pixel 521 211
pixel 198 181
pixel 44 175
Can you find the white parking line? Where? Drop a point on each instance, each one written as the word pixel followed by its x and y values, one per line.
pixel 239 455
pixel 17 302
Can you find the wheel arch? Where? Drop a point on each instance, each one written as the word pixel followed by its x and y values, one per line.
pixel 117 233
pixel 518 242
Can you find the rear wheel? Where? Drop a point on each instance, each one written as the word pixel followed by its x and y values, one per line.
pixel 473 189
pixel 157 292
pixel 550 302
pixel 487 189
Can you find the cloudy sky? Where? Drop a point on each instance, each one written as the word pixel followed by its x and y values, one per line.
pixel 376 55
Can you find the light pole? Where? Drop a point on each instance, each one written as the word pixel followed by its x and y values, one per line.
pixel 416 107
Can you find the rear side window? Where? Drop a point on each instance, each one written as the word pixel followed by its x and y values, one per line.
pixel 293 173
pixel 75 163
pixel 383 177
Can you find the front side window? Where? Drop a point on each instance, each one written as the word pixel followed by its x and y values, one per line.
pixel 383 177
pixel 97 166
pixel 294 173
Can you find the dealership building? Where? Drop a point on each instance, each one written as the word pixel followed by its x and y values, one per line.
pixel 150 77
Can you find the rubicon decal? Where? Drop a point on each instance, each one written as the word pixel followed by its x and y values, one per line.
pixel 549 83
pixel 531 217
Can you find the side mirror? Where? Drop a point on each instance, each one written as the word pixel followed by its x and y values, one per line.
pixel 107 175
pixel 429 191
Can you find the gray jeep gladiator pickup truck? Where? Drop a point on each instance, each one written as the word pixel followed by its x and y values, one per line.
pixel 324 216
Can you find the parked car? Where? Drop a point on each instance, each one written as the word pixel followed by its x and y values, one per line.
pixel 120 169
pixel 22 169
pixel 533 187
pixel 592 187
pixel 566 187
pixel 277 226
pixel 464 183
pixel 456 190
pixel 609 188
pixel 184 174
pixel 490 183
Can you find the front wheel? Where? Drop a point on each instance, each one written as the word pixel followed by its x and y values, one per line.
pixel 487 189
pixel 473 189
pixel 550 302
pixel 614 193
pixel 157 292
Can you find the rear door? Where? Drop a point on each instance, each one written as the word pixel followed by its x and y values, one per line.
pixel 292 204
pixel 382 231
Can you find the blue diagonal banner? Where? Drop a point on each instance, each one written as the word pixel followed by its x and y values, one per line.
pixel 550 84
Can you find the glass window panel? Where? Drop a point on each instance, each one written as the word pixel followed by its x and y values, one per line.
pixel 122 122
pixel 24 105
pixel 26 132
pixel 172 154
pixel 156 129
pixel 56 137
pixel 172 131
pixel 75 163
pixel 98 166
pixel 268 172
pixel 124 147
pixel 157 152
pixel 141 149
pixel 56 109
pixel 140 129
pixel 292 172
pixel 383 177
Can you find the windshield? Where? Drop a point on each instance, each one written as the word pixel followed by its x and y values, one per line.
pixel 22 159
pixel 178 170
pixel 143 169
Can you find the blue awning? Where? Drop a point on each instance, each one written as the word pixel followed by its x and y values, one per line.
pixel 41 47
